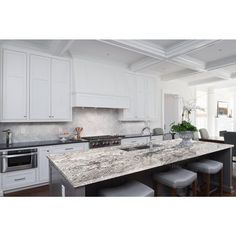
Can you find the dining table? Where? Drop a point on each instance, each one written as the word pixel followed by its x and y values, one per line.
pixel 214 139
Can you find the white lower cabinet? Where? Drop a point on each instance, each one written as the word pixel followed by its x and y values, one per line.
pixel 140 140
pixel 135 141
pixel 16 180
pixel 43 152
pixel 19 179
pixel 157 138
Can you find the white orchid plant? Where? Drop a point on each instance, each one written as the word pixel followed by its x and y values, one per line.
pixel 188 108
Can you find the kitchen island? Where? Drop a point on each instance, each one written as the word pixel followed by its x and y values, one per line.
pixel 83 173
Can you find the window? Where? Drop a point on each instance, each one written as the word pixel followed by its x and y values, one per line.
pixel 201 116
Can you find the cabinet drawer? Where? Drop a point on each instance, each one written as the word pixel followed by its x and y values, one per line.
pixel 18 179
pixel 157 138
pixel 68 148
pixel 134 141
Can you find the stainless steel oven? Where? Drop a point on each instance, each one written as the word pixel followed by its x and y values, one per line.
pixel 20 159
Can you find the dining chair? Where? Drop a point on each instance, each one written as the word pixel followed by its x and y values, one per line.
pixel 222 132
pixel 204 133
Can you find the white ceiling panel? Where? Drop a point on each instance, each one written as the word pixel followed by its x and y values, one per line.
pixel 165 68
pixel 216 51
pixel 166 44
pixel 103 51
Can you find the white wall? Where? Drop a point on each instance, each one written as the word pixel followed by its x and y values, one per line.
pixel 185 93
pixel 215 124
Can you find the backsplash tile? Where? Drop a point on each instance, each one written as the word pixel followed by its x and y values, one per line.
pixel 94 121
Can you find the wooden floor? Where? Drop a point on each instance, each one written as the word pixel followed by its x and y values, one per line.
pixel 44 190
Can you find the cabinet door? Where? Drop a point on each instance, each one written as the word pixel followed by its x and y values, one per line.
pixel 43 165
pixel 151 106
pixel 130 113
pixel 40 87
pixel 140 98
pixel 61 92
pixel 14 86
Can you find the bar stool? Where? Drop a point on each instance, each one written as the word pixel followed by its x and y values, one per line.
pixel 207 168
pixel 129 189
pixel 176 178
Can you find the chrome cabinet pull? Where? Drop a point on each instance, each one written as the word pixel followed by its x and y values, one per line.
pixel 19 155
pixel 20 179
pixel 69 149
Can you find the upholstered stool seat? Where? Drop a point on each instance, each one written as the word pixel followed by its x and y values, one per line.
pixel 208 167
pixel 129 189
pixel 176 178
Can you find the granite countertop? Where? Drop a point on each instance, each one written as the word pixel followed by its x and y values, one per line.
pixel 95 165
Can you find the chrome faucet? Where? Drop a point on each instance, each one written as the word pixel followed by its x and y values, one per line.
pixel 150 136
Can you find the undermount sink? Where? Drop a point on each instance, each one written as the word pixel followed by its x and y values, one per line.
pixel 128 149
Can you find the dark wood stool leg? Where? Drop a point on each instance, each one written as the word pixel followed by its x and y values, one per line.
pixel 221 183
pixel 194 188
pixel 155 187
pixel 173 192
pixel 208 184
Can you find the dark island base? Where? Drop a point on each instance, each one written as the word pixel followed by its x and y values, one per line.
pixel 59 186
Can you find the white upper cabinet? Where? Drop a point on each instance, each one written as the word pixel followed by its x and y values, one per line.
pixel 50 93
pixel 14 86
pixel 61 92
pixel 40 84
pixel 142 102
pixel 151 99
pixel 35 87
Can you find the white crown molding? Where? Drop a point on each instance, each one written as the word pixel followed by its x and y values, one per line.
pixel 59 47
pixel 144 63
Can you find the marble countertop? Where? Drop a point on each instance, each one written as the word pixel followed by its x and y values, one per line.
pixel 95 165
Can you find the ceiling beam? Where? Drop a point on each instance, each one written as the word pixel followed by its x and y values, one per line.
pixel 189 62
pixel 223 74
pixel 179 74
pixel 205 81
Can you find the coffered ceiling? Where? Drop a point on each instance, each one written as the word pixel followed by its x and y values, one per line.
pixel 197 62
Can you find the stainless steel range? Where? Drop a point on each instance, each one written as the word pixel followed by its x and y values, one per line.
pixel 103 141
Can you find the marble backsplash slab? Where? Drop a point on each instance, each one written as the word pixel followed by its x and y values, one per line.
pixel 94 121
